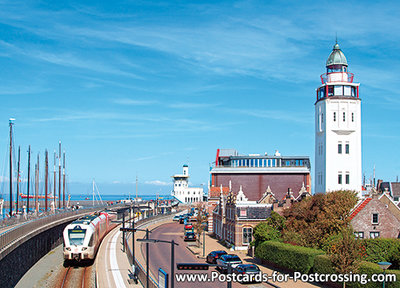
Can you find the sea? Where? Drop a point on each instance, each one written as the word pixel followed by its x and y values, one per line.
pixel 105 198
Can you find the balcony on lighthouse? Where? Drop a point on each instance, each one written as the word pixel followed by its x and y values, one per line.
pixel 337 81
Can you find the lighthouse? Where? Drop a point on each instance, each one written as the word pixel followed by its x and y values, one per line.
pixel 337 128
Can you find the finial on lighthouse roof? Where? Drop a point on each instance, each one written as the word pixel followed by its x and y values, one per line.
pixel 336 57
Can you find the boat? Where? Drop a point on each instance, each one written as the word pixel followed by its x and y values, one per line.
pixel 24 196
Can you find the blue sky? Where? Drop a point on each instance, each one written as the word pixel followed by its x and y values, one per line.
pixel 142 87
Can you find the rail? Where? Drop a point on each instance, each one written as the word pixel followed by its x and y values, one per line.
pixel 10 236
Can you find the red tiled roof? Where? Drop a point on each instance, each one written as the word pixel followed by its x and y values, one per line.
pixel 359 207
pixel 214 192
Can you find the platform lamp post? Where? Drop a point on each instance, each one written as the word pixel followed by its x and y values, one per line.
pixel 173 243
pixel 384 266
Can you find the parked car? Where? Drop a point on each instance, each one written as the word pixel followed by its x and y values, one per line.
pixel 248 269
pixel 228 259
pixel 214 255
pixel 182 220
pixel 176 218
pixel 189 227
pixel 190 236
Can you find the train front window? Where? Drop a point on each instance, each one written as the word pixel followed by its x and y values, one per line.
pixel 76 237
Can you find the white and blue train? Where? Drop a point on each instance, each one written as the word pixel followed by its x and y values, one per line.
pixel 82 237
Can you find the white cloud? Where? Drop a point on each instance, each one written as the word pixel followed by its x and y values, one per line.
pixel 158 183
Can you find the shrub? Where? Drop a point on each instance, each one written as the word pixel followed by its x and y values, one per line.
pixel 380 249
pixel 264 232
pixel 323 265
pixel 296 258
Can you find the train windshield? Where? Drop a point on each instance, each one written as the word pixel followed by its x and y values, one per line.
pixel 76 236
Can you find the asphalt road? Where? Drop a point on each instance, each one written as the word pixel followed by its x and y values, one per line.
pixel 160 257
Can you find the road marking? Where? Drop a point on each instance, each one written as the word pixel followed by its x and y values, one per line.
pixel 119 282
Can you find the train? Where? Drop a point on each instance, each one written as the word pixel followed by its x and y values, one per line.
pixel 83 236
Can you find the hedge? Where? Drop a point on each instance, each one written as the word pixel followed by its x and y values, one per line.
pixel 296 258
pixel 323 265
pixel 380 249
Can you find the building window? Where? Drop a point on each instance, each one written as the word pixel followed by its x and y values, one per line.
pixel 373 234
pixel 344 116
pixel 359 235
pixel 352 117
pixel 396 198
pixel 339 148
pixel 247 235
pixel 347 178
pixel 340 178
pixel 347 148
pixel 375 218
pixel 322 118
pixel 243 212
pixel 334 116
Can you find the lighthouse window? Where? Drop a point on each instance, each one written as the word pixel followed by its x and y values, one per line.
pixel 347 91
pixel 334 116
pixel 330 90
pixel 340 178
pixel 353 91
pixel 344 116
pixel 347 148
pixel 347 178
pixel 340 148
pixel 352 117
pixel 338 90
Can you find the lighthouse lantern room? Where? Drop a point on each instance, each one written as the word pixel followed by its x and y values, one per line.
pixel 337 128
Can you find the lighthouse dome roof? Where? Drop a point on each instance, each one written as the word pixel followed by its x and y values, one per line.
pixel 336 57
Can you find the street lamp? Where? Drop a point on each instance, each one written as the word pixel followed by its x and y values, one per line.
pixel 384 266
pixel 172 256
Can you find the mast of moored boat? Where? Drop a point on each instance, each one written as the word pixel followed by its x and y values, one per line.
pixel 55 181
pixel 19 158
pixel 46 179
pixel 37 186
pixel 59 174
pixel 29 178
pixel 11 176
pixel 64 180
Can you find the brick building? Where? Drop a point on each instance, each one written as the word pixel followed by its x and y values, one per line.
pixel 235 216
pixel 256 172
pixel 376 216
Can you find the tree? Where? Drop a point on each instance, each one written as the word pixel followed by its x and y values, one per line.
pixel 316 218
pixel 264 232
pixel 276 221
pixel 345 254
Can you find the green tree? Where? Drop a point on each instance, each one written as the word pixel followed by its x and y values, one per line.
pixel 264 232
pixel 276 221
pixel 345 253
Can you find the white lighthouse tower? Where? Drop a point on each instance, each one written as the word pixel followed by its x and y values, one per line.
pixel 337 128
pixel 181 190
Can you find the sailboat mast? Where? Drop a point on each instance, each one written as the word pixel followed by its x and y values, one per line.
pixel 136 187
pixel 11 176
pixel 93 194
pixel 46 179
pixel 37 186
pixel 55 182
pixel 29 177
pixel 64 179
pixel 59 174
pixel 19 158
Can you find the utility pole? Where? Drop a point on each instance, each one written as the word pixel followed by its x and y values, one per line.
pixel 46 180
pixel 64 180
pixel 11 176
pixel 37 186
pixel 59 174
pixel 29 178
pixel 19 159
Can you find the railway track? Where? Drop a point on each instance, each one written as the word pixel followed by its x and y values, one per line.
pixel 75 277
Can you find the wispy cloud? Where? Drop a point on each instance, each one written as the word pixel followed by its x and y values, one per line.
pixel 157 183
pixel 133 102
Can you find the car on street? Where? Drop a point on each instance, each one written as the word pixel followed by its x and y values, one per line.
pixel 190 236
pixel 189 227
pixel 248 269
pixel 214 255
pixel 176 218
pixel 228 260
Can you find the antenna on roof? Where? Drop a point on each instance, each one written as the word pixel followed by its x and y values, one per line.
pixel 336 37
